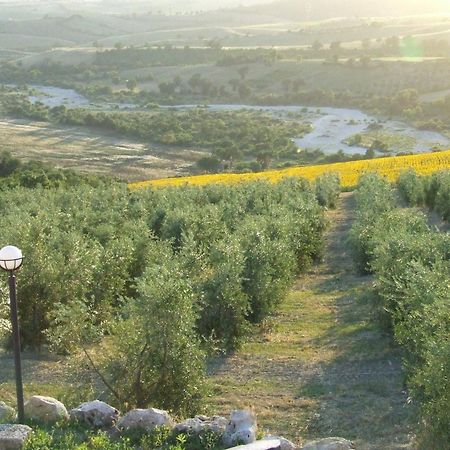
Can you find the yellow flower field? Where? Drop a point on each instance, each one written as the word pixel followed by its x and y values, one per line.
pixel 391 167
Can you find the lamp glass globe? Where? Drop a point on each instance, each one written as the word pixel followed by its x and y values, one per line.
pixel 10 258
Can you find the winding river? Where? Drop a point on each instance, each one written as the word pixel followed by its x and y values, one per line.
pixel 330 126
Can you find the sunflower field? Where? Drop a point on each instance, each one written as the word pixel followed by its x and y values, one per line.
pixel 349 172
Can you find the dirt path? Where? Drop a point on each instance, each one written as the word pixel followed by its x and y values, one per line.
pixel 325 366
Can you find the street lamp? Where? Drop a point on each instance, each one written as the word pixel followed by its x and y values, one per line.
pixel 10 260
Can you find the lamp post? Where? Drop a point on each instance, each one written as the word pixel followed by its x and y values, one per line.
pixel 10 260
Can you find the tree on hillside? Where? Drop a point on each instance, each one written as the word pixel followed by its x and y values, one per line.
pixel 8 164
pixel 365 60
pixel 195 81
pixel 228 152
pixel 243 71
pixel 317 45
pixel 244 90
pixel 234 83
pixel 335 46
pixel 167 88
pixel 209 164
pixel 131 84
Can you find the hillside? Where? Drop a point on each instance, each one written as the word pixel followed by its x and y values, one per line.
pixel 325 9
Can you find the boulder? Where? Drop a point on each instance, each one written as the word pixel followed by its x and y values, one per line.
pixel 265 444
pixel 45 409
pixel 198 424
pixel 7 414
pixel 285 443
pixel 13 437
pixel 144 419
pixel 332 443
pixel 241 429
pixel 96 414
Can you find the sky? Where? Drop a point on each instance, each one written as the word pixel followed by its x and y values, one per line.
pixel 325 8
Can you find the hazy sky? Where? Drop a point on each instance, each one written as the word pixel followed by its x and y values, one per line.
pixel 287 8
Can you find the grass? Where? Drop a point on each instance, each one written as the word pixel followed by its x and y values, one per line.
pixel 326 367
pixel 42 375
pixel 93 151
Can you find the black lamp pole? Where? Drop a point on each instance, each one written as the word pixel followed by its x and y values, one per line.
pixel 10 260
pixel 16 339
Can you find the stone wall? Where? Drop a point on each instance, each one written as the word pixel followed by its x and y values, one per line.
pixel 239 431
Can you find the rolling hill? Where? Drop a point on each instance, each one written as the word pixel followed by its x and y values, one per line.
pixel 325 9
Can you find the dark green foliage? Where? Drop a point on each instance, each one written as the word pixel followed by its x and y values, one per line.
pixel 374 197
pixel 33 174
pixel 139 282
pixel 412 187
pixel 432 190
pixel 8 164
pixel 64 436
pixel 269 266
pixel 155 356
pixel 441 185
pixel 210 164
pixel 411 265
pixel 223 304
pixel 328 189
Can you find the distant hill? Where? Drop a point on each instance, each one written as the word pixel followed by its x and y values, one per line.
pixel 325 9
pixel 25 9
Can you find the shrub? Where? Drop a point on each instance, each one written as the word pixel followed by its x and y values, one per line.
pixel 141 283
pixel 156 357
pixel 374 197
pixel 412 187
pixel 328 188
pixel 411 265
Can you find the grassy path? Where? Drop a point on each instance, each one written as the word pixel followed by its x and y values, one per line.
pixel 324 366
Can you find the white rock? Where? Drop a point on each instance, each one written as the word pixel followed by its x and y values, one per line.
pixel 13 437
pixel 7 414
pixel 332 443
pixel 45 409
pixel 198 424
pixel 97 414
pixel 241 428
pixel 265 444
pixel 285 443
pixel 145 419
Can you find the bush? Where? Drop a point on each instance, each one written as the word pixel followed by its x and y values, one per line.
pixel 411 265
pixel 155 355
pixel 374 197
pixel 328 189
pixel 412 187
pixel 139 284
pixel 433 190
pixel 442 200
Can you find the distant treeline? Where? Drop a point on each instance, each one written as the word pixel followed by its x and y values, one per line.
pixel 32 174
